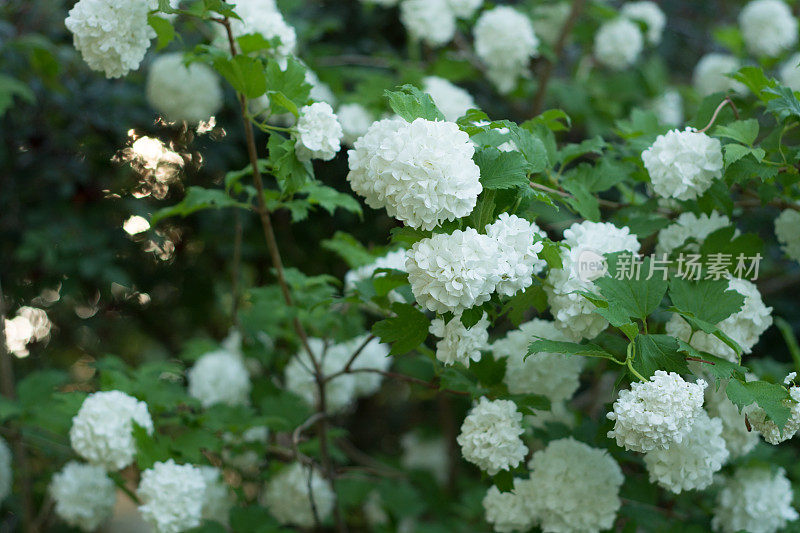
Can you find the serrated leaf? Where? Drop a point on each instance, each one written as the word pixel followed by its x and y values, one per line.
pixel 570 152
pixel 348 248
pixel 735 152
pixel 638 297
pixel 756 81
pixel 785 104
pixel 569 348
pixel 707 327
pixel 197 199
pixel 405 331
pixel 518 305
pixel 721 369
pixel 165 33
pixel 770 397
pixel 410 103
pixel 708 300
pixel 244 73
pixel 747 168
pixel 291 173
pixel 329 198
pixel 502 170
pixel 658 352
pixel 289 81
pixel 743 131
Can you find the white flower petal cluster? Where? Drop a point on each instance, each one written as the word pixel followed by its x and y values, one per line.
pixel 220 377
pixel 548 20
pixel 102 431
pixel 262 16
pixel 738 439
pixel 683 164
pixel 319 133
pixel 553 375
pixel 355 121
pixel 650 14
pixel 689 226
pixel 509 511
pixel 422 172
pixel 618 43
pixel 6 471
pixel 768 27
pixel 790 72
pixel 180 93
pixel 574 487
pixel 668 107
pixel 655 414
pixel 450 99
pixel 464 9
pixel 786 231
pixel 430 21
pixel 427 454
pixel 84 495
pixel 756 500
pixel 458 343
pixel 217 499
pixel 453 272
pixel 171 496
pixel 587 241
pixel 112 35
pixel 691 463
pixel 288 498
pixel 505 42
pixel 490 436
pixel 711 75
pixel 769 429
pixel 744 327
pixel 519 244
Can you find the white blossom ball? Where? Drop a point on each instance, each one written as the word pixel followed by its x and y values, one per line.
pixel 786 231
pixel 373 355
pixel 319 133
pixel 340 391
pixel 519 244
pixel 655 414
pixel 220 377
pixel 618 43
pixel 739 440
pixel 574 487
pixel 426 454
pixel 429 21
pixel 691 463
pixel 453 272
pixel 756 500
pixel 458 343
pixel 450 99
pixel 490 436
pixel 790 72
pixel 768 27
pixel 288 498
pixel 509 511
pixel 668 107
pixel 769 429
pixel 422 172
pixel 505 42
pixel 217 499
pixel 355 121
pixel 102 431
pixel 711 75
pixel 464 9
pixel 171 496
pixel 180 93
pixel 689 226
pixel 112 35
pixel 6 471
pixel 650 14
pixel 683 164
pixel 84 495
pixel 263 17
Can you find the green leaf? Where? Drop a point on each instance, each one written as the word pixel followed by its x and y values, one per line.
pixel 405 331
pixel 725 241
pixel 197 199
pixel 789 337
pixel 329 198
pixel 410 103
pixel 708 300
pixel 707 327
pixel 721 369
pixel 164 30
pixel 11 87
pixel 785 105
pixel 658 352
pixel 244 73
pixel 518 305
pixel 569 348
pixel 489 371
pixel 504 481
pixel 772 398
pixel 756 81
pixel 734 152
pixel 348 248
pixel 747 168
pixel 291 173
pixel 528 404
pixel 502 170
pixel 584 202
pixel 638 297
pixel 150 449
pixel 253 42
pixel 570 152
pixel 290 82
pixel 743 131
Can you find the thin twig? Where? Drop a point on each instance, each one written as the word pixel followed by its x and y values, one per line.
pixel 722 104
pixel 352 359
pixel 564 194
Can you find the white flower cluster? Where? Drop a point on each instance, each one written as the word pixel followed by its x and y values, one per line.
pixel 649 13
pixel 790 72
pixel 618 43
pixel 768 428
pixel 355 121
pixel 220 377
pixel 691 463
pixel 490 436
pixel 689 226
pixel 668 107
pixel 459 343
pixel 738 439
pixel 450 99
pixel 753 499
pixel 422 172
pixel 505 42
pixel 509 511
pixel 464 9
pixel 180 93
pixel 786 231
pixel 288 498
pixel 711 75
pixel 427 454
pixel 262 16
pixel 6 471
pixel 84 495
pixel 555 376
pixel 586 241
pixel 768 27
pixel 430 21
pixel 102 431
pixel 655 414
pixel 519 245
pixel 172 496
pixel 112 35
pixel 319 133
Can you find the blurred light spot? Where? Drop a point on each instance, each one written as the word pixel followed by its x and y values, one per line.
pixel 30 325
pixel 205 127
pixel 157 164
pixel 136 224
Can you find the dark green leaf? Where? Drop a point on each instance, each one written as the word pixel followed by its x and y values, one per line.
pixel 658 352
pixel 405 331
pixel 197 199
pixel 502 170
pixel 772 398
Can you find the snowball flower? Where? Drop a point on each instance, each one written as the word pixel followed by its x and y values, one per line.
pixel 668 107
pixel 430 21
pixel 738 439
pixel 655 414
pixel 711 75
pixel 451 100
pixel 422 172
pixel 172 496
pixel 490 436
pixel 102 431
pixel 217 499
pixel 6 472
pixel 180 93
pixel 509 511
pixel 618 43
pixel 355 121
pixel 519 244
pixel 318 132
pixel 459 343
pixel 650 14
pixel 263 17
pixel 220 377
pixel 756 500
pixel 84 495
pixel 453 272
pixel 768 428
pixel 505 42
pixel 790 72
pixel 786 231
pixel 427 454
pixel 574 487
pixel 768 27
pixel 112 35
pixel 683 164
pixel 288 498
pixel 689 226
pixel 691 463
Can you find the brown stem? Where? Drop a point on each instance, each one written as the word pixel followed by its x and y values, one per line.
pixel 410 379
pixel 700 360
pixel 722 104
pixel 352 360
